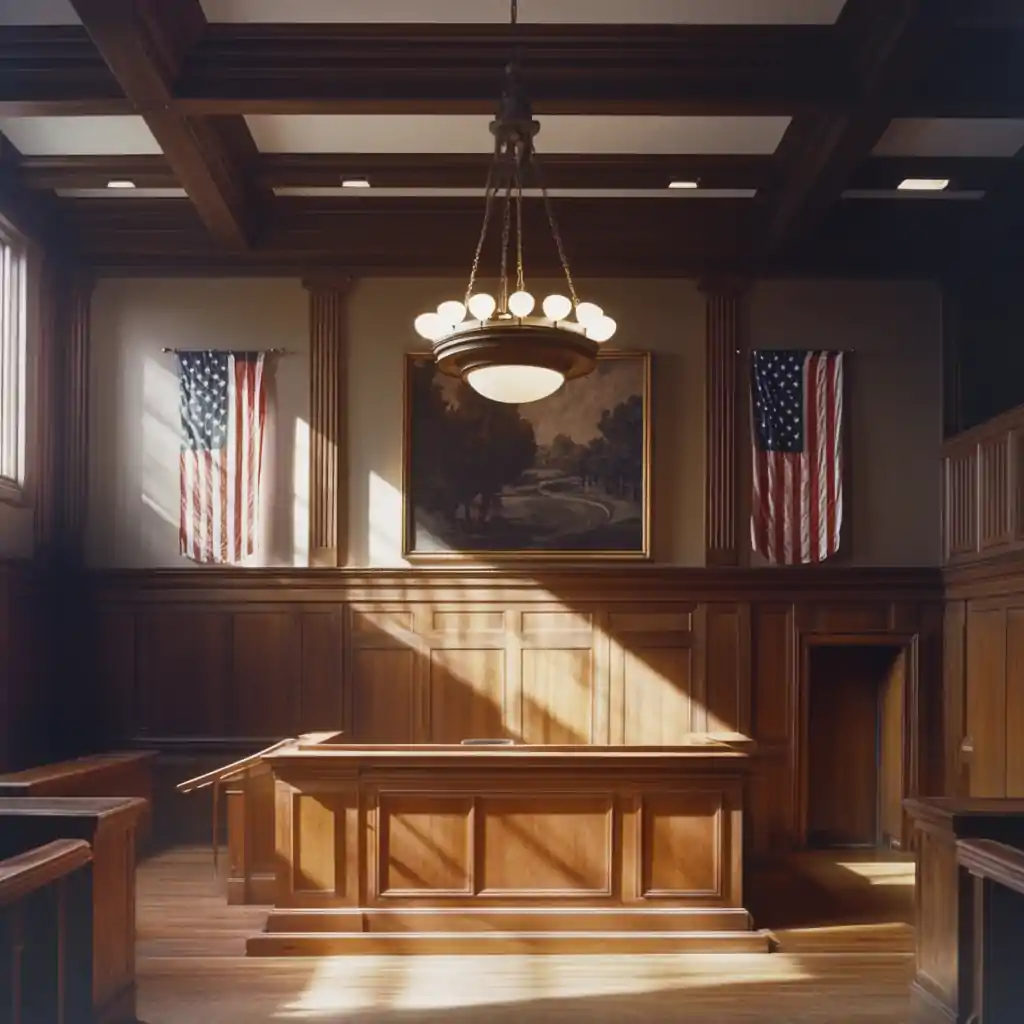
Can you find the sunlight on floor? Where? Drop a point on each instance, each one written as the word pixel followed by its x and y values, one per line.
pixel 425 982
pixel 881 872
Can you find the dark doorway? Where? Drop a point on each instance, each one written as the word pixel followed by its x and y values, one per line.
pixel 855 745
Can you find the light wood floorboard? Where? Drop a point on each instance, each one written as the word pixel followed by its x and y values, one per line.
pixel 192 971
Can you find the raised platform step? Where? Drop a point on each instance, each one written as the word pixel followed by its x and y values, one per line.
pixel 478 943
pixel 420 920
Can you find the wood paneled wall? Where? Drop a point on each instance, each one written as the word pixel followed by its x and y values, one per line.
pixel 983 501
pixel 222 660
pixel 984 615
pixel 984 679
pixel 25 734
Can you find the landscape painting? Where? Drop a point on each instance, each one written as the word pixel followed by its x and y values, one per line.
pixel 566 476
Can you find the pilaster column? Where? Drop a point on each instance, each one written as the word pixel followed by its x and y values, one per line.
pixel 76 423
pixel 328 444
pixel 724 337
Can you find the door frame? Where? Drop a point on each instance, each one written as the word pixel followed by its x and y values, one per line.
pixel 907 643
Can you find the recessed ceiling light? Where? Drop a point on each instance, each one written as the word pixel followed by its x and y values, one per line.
pixel 120 183
pixel 684 184
pixel 923 184
pixel 354 183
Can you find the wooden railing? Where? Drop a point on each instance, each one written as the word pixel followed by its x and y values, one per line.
pixel 992 905
pixel 983 490
pixel 46 935
pixel 249 791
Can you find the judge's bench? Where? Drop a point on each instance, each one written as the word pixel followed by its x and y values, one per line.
pixel 490 847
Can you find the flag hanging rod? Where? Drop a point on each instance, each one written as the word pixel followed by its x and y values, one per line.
pixel 263 351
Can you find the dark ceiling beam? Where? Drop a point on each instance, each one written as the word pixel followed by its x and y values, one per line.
pixel 891 43
pixel 143 43
pixel 36 215
pixel 403 69
pixel 622 238
pixel 568 68
pixel 413 170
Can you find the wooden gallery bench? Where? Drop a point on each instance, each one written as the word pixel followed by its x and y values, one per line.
pixel 108 825
pixel 123 773
pixel 944 940
pixel 45 935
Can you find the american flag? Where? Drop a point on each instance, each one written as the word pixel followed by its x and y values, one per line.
pixel 797 430
pixel 223 404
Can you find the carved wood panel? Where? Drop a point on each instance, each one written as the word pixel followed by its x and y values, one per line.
pixel 390 660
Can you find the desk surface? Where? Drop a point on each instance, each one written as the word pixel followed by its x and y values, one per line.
pixel 697 751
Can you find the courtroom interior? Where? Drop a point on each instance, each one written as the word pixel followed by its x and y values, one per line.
pixel 511 510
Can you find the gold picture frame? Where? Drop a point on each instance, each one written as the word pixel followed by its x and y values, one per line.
pixel 564 479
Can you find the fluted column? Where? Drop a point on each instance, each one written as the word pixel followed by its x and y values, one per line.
pixel 328 385
pixel 75 463
pixel 724 344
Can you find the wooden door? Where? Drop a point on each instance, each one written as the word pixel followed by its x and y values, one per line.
pixel 890 747
pixel 986 701
pixel 843 735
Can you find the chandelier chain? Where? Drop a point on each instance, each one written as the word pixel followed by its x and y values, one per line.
pixel 490 193
pixel 520 273
pixel 506 227
pixel 555 233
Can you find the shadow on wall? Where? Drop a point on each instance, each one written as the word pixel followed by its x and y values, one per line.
pixel 284 518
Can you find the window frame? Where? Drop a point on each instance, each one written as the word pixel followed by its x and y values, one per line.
pixel 15 326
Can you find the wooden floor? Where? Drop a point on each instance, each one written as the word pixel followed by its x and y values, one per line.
pixel 846 965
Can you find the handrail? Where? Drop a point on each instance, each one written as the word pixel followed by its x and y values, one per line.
pixel 28 872
pixel 994 861
pixel 229 771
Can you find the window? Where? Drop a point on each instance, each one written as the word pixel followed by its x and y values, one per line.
pixel 13 359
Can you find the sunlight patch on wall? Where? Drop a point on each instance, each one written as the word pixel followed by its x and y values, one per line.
pixel 384 521
pixel 161 442
pixel 300 495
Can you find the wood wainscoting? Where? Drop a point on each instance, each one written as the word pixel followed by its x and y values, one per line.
pixel 199 664
pixel 25 673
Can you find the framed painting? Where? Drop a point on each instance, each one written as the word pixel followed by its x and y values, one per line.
pixel 568 477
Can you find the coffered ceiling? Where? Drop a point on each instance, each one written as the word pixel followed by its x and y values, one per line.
pixel 243 126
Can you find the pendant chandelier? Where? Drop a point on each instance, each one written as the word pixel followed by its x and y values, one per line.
pixel 503 350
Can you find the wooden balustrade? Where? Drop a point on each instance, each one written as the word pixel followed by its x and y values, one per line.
pixel 108 825
pixel 992 905
pixel 942 954
pixel 983 500
pixel 46 935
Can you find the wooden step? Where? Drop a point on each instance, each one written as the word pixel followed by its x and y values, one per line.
pixel 466 943
pixel 419 920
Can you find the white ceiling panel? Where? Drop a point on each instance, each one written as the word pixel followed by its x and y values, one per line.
pixel 37 12
pixel 531 193
pixel 952 136
pixel 560 133
pixel 80 136
pixel 551 12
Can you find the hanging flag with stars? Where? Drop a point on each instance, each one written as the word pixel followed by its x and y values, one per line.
pixel 223 404
pixel 797 430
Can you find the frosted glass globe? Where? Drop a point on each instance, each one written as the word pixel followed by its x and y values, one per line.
pixel 587 313
pixel 556 307
pixel 521 303
pixel 514 385
pixel 452 312
pixel 430 326
pixel 482 305
pixel 601 329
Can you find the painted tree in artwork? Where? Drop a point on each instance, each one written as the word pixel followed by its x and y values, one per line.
pixel 466 449
pixel 495 446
